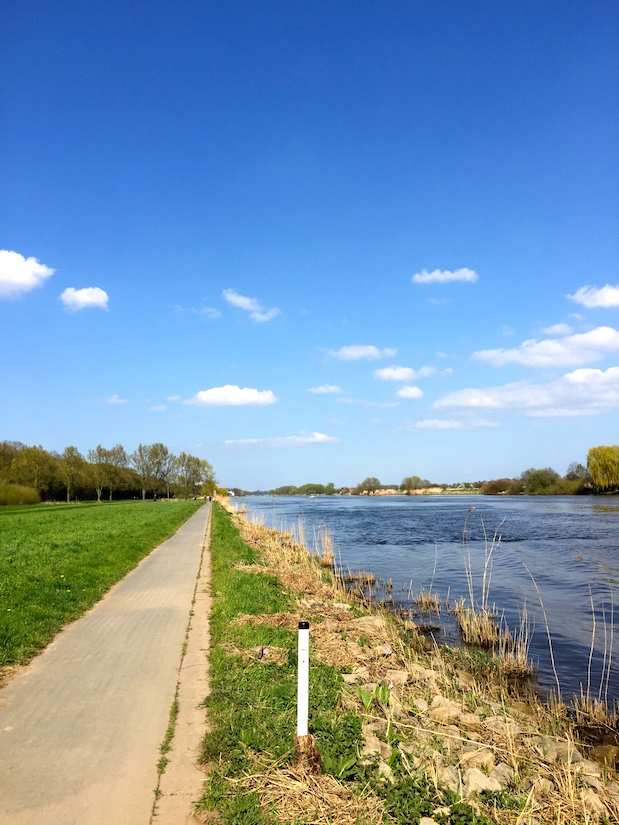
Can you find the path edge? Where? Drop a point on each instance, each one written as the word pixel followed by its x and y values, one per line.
pixel 181 783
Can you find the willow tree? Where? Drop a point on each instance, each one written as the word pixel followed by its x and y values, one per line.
pixel 603 464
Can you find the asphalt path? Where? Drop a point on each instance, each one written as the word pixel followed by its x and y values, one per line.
pixel 81 726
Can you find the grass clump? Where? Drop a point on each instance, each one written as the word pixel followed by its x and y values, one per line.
pixel 57 561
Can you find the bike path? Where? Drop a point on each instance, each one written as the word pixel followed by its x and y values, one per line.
pixel 81 726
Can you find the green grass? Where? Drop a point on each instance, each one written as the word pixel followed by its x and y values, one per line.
pixel 57 561
pixel 252 704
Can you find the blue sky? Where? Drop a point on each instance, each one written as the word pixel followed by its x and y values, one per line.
pixel 312 241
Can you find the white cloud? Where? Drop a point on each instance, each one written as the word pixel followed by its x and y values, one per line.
pixel 76 299
pixel 395 374
pixel 115 399
pixel 325 389
pixel 283 441
pixel 582 392
pixel 592 297
pixel 209 312
pixel 158 408
pixel 231 396
pixel 409 392
pixel 173 398
pixel 359 352
pixel 257 312
pixel 506 330
pixel 557 329
pixel 447 424
pixel 552 352
pixel 19 274
pixel 438 276
pixel 404 373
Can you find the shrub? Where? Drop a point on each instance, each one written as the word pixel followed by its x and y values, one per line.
pixel 505 486
pixel 18 494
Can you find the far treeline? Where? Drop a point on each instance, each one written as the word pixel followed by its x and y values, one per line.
pixel 31 474
pixel 601 475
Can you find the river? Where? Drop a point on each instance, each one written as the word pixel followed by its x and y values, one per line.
pixel 568 544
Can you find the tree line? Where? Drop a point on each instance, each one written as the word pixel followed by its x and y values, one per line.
pixel 600 475
pixel 29 474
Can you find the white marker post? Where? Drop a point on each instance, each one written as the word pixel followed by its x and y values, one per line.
pixel 303 680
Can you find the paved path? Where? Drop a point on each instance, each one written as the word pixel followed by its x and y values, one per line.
pixel 80 728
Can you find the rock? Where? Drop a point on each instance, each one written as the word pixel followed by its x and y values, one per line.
pixel 440 702
pixel 448 778
pixel 385 750
pixel 541 785
pixel 341 606
pixel 613 789
pixel 524 708
pixel 374 725
pixel 503 774
pixel 385 771
pixel 371 745
pixel 407 747
pixel 358 675
pixel 547 748
pixel 482 758
pixel 503 727
pixel 593 782
pixel 427 820
pixel 381 650
pixel 606 755
pixel 465 679
pixel 475 781
pixel 421 704
pixel 370 624
pixel 256 652
pixel 469 721
pixel 445 714
pixel 588 768
pixel 568 753
pixel 593 802
pixel 396 677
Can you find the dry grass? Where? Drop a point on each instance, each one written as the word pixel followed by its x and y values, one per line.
pixel 300 796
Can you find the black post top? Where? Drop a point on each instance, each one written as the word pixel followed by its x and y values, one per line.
pixel 303 625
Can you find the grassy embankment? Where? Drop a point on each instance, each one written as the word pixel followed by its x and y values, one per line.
pixel 57 561
pixel 404 729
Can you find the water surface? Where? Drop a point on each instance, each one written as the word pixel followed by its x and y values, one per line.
pixel 568 543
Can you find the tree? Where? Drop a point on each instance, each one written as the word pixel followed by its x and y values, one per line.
pixel 118 461
pixel 144 464
pixel 193 474
pixel 538 482
pixel 413 483
pixel 577 472
pixel 34 467
pixel 603 464
pixel 71 466
pixel 164 464
pixel 8 451
pixel 99 460
pixel 368 485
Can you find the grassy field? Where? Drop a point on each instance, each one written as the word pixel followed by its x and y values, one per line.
pixel 57 561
